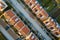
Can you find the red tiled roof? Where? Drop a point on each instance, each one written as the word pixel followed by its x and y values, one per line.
pixel 9 14
pixel 36 8
pixel 26 1
pixel 50 22
pixel 25 31
pixel 56 32
pixel 14 20
pixel 19 25
pixel 43 12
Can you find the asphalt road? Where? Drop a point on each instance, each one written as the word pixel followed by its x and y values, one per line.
pixel 18 7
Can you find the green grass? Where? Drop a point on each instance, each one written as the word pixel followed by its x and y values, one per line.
pixel 46 2
pixel 58 19
pixel 2 37
pixel 50 6
pixel 15 30
pixel 58 1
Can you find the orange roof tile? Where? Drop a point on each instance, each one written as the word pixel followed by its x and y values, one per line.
pixel 56 33
pixel 14 20
pixel 49 22
pixel 43 12
pixel 9 14
pixel 19 25
pixel 36 9
pixel 52 28
pixel 25 31
pixel 43 16
pixel 31 3
pixel 26 1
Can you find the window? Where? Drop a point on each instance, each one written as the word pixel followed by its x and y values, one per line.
pixel 46 22
pixel 32 37
pixel 30 4
pixel 56 33
pixel 36 10
pixel 40 15
pixel 51 28
pixel 7 27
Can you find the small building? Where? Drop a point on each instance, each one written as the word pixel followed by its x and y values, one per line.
pixel 56 33
pixel 19 25
pixel 9 14
pixel 14 20
pixel 31 3
pixel 42 15
pixel 49 22
pixel 26 1
pixel 40 12
pixel 24 31
pixel 36 8
pixel 31 36
pixel 3 5
pixel 52 28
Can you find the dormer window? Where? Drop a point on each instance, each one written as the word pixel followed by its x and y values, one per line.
pixel 30 4
pixel 40 7
pixel 56 33
pixel 33 37
pixel 40 15
pixel 46 22
pixel 16 19
pixel 51 28
pixel 36 10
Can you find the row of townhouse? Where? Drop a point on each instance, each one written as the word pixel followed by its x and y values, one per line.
pixel 14 20
pixel 5 26
pixel 43 16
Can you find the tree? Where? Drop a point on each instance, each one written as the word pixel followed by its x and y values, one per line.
pixel 58 3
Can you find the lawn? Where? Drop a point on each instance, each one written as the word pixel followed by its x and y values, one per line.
pixel 47 4
pixel 58 1
pixel 58 19
pixel 2 37
pixel 50 6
